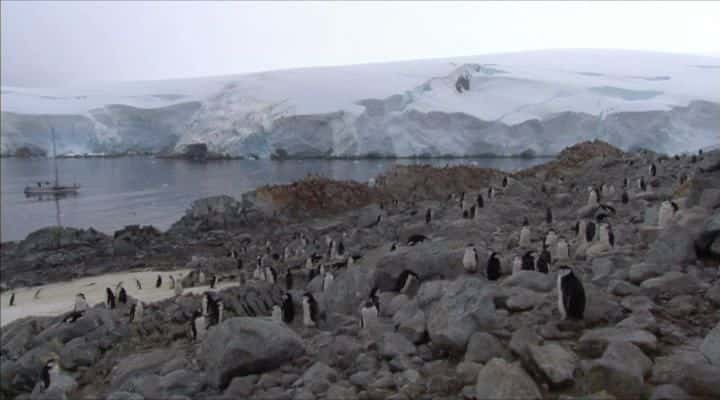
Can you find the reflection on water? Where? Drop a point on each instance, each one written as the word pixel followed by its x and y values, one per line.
pixel 144 190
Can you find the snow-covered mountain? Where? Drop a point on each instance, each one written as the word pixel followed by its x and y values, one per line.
pixel 496 103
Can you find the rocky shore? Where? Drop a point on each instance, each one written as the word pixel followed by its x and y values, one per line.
pixel 651 328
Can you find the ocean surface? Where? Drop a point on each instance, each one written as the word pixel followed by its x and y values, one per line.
pixel 145 190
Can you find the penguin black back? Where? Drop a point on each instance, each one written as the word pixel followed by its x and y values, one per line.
pixel 548 216
pixel 288 280
pixel 122 296
pixel 528 261
pixel 403 279
pixel 110 298
pixel 493 267
pixel 12 300
pixel 288 309
pixel 480 201
pixel 158 281
pixel 573 294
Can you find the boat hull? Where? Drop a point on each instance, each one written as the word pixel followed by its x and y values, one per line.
pixel 53 190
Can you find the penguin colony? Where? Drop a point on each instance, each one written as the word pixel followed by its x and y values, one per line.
pixel 551 253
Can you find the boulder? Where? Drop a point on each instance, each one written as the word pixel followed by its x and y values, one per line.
pixel 137 365
pixel 244 346
pixel 523 300
pixel 673 283
pixel 410 322
pixel 631 356
pixel 710 347
pixel 349 289
pixel 672 247
pixel 554 363
pixel 52 238
pixel 465 308
pixel 643 271
pixel 701 380
pixel 532 280
pixel 483 347
pixel 710 198
pixel 427 260
pixel 317 378
pixel 614 377
pixel 468 372
pixel 522 339
pixel 668 392
pixel 594 342
pixel 396 345
pixel 500 379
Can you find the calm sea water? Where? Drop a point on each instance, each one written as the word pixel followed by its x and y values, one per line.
pixel 144 190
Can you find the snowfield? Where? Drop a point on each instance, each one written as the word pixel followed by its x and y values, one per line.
pixel 59 298
pixel 496 103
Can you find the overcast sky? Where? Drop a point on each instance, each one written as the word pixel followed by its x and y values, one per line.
pixel 57 43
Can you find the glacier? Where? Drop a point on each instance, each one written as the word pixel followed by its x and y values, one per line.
pixel 494 104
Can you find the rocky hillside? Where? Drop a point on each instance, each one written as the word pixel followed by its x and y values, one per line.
pixel 650 328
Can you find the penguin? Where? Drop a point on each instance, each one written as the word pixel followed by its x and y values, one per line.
pixel 652 169
pixel 234 254
pixel 415 239
pixel 110 298
pixel 525 234
pixel 259 274
pixel 393 246
pixel 551 238
pixel 288 280
pixel 625 198
pixel 310 310
pixel 625 183
pixel 492 272
pixel 50 370
pixel 480 201
pixel 562 250
pixel 12 300
pixel 504 182
pixel 571 294
pixel 122 296
pixel 198 326
pixel 137 282
pixel 288 308
pixel 340 248
pixel 405 281
pixel 368 314
pixel 276 314
pixel 593 197
pixel 548 216
pixel 178 288
pixel 328 279
pixel 470 259
pixel 172 282
pixel 158 282
pixel 213 281
pixel 80 303
pixel 642 185
pixel 37 294
pixel 428 216
pixel 517 264
pixel 528 261
pixel 542 264
pixel 376 222
pixel 136 312
pixel 270 275
pixel 666 213
pixel 491 193
pixel 220 311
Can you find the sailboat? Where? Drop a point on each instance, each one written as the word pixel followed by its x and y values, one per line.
pixel 45 189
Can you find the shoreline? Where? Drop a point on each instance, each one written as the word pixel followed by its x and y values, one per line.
pixel 318 158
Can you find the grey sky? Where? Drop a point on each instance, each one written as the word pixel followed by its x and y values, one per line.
pixel 57 43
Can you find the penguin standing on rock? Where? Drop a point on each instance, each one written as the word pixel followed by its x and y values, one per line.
pixel 551 239
pixel 328 279
pixel 625 198
pixel 528 261
pixel 198 326
pixel 562 249
pixel 652 169
pixel 310 310
pixel 405 281
pixel 666 213
pixel 542 264
pixel 136 312
pixel 368 314
pixel 517 264
pixel 571 294
pixel 428 216
pixel 50 371
pixel 525 234
pixel 276 314
pixel 492 273
pixel 288 309
pixel 288 280
pixel 470 259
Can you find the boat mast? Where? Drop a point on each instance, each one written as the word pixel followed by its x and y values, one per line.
pixel 57 180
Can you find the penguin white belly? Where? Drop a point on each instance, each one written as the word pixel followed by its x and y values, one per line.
pixel 200 328
pixel 562 252
pixel 327 281
pixel 664 215
pixel 592 198
pixel 307 320
pixel 561 304
pixel 369 317
pixel 525 237
pixel 469 262
pixel 277 314
pixel 517 265
pixel 597 248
